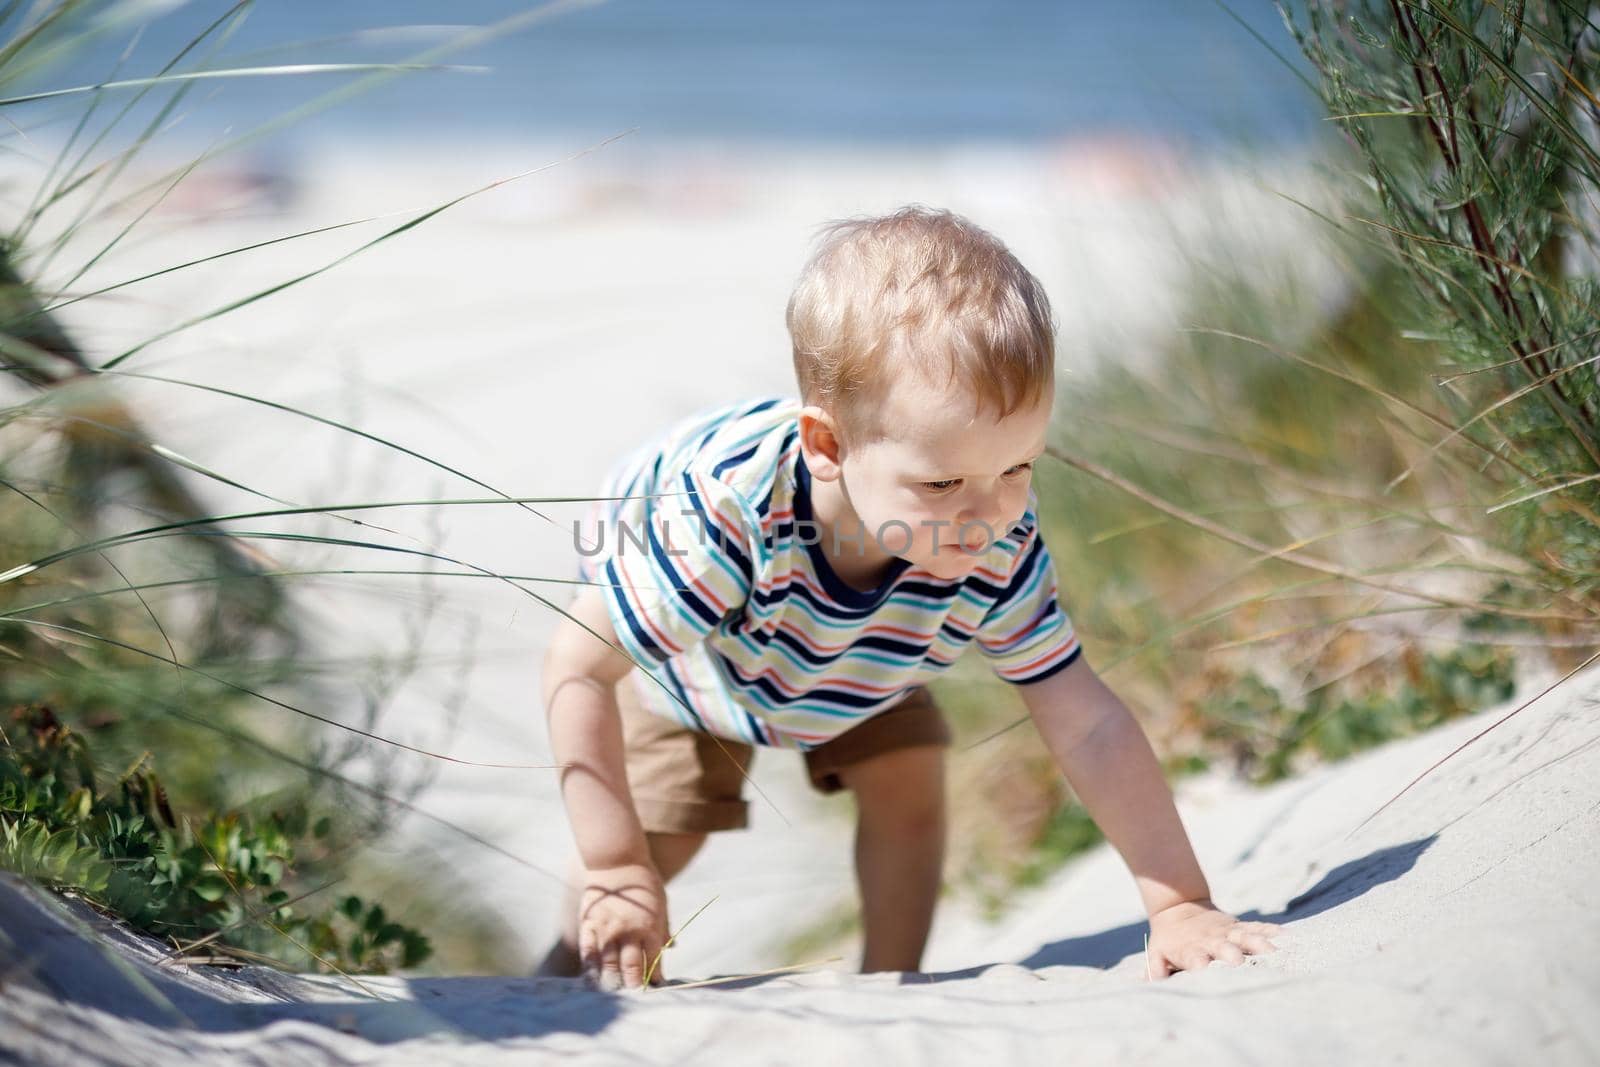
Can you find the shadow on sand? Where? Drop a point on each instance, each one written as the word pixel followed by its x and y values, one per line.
pixel 1107 948
pixel 1339 886
pixel 67 952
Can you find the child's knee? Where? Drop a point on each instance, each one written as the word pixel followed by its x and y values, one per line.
pixel 919 814
pixel 903 793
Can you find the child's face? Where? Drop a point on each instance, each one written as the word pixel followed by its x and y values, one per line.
pixel 942 464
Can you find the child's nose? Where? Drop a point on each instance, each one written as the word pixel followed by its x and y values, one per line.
pixel 985 507
pixel 995 508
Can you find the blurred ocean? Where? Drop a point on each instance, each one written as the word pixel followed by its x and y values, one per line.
pixel 894 72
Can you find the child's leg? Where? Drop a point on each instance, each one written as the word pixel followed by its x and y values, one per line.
pixel 900 834
pixel 894 763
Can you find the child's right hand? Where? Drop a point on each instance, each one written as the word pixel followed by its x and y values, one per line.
pixel 622 925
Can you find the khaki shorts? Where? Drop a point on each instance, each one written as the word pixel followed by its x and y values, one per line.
pixel 688 782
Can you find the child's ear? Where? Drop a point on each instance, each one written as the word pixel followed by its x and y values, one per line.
pixel 819 443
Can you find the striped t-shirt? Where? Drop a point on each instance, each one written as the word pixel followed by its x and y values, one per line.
pixel 716 586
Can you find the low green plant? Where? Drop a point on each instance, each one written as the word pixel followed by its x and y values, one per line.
pixel 229 880
pixel 1268 735
pixel 1068 832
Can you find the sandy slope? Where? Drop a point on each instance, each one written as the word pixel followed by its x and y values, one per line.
pixel 1458 926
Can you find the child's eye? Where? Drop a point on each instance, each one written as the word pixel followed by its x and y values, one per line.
pixel 1019 469
pixel 939 487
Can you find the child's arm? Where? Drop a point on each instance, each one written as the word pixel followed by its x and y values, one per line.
pixel 622 920
pixel 1110 765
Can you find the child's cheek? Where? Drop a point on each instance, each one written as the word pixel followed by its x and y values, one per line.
pixel 1016 505
pixel 912 509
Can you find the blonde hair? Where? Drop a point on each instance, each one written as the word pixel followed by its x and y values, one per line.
pixel 919 289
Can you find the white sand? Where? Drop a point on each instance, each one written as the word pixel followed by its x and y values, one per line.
pixel 1459 926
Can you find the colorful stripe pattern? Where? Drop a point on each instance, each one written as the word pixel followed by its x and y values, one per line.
pixel 745 625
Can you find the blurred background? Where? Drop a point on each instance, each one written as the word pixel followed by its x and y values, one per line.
pixel 288 322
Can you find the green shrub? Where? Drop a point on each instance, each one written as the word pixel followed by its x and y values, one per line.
pixel 1474 121
pixel 229 879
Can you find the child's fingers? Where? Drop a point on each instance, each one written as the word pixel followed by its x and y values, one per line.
pixel 588 952
pixel 1228 953
pixel 631 958
pixel 1254 944
pixel 610 967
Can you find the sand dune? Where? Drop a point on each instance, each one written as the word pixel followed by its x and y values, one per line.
pixel 1459 925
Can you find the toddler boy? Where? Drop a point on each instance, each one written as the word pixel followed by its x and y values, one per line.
pixel 790 573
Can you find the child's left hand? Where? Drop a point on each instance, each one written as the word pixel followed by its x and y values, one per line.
pixel 1188 936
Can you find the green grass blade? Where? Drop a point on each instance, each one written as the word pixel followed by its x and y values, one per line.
pixel 127 583
pixel 373 793
pixel 290 69
pixel 69 301
pixel 409 224
pixel 274 701
pixel 476 36
pixel 223 27
pixel 331 423
pixel 318 572
pixel 1295 558
pixel 67 181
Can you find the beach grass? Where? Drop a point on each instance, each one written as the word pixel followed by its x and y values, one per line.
pixel 143 628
